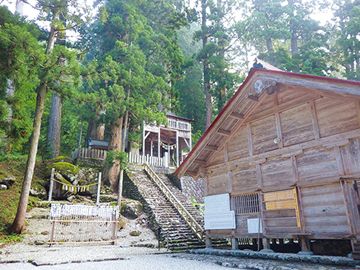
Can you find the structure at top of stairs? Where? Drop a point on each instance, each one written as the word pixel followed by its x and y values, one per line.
pixel 180 223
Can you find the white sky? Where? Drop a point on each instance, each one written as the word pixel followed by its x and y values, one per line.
pixel 323 16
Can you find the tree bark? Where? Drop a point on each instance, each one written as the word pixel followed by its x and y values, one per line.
pixel 206 73
pixel 269 45
pixel 100 132
pixel 19 222
pixel 96 129
pixel 115 145
pixel 54 128
pixel 294 37
pixel 126 131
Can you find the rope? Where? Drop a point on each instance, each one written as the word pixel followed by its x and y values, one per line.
pixel 75 188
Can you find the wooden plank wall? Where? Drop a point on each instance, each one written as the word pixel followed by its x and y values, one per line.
pixel 319 143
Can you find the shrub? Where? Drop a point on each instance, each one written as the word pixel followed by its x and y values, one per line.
pixel 64 167
pixel 135 233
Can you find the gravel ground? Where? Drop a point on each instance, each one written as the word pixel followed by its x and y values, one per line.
pixel 123 255
pixel 256 264
pixel 173 262
pixel 149 262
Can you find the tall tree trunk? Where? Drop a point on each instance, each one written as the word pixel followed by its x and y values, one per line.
pixel 294 37
pixel 126 131
pixel 19 221
pixel 269 45
pixel 10 92
pixel 206 72
pixel 221 52
pixel 54 128
pixel 100 132
pixel 115 144
pixel 96 129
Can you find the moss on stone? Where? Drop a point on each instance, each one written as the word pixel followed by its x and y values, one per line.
pixel 135 233
pixel 64 167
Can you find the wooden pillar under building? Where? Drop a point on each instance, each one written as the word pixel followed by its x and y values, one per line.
pixel 208 242
pixel 177 149
pixel 234 243
pixel 305 246
pixel 159 144
pixel 266 245
pixel 143 146
pixel 151 147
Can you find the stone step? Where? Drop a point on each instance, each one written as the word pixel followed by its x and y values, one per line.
pixel 174 230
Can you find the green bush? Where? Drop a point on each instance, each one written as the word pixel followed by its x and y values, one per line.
pixel 60 159
pixel 64 167
pixel 135 233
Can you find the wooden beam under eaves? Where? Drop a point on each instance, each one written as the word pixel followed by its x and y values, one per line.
pixel 211 147
pixel 237 115
pixel 224 132
pixel 200 162
pixel 254 98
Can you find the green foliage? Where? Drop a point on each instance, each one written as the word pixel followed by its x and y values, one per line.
pixel 21 57
pixel 347 42
pixel 121 157
pixel 64 167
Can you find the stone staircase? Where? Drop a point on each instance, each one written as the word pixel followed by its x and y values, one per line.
pixel 176 233
pixel 356 249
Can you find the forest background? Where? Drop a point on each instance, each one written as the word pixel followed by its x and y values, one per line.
pixel 101 69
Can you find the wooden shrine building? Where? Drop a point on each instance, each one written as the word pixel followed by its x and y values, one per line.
pixel 165 145
pixel 282 160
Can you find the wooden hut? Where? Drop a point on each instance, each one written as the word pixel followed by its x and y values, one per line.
pixel 282 160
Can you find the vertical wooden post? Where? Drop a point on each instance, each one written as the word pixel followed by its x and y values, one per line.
pixel 159 138
pixel 113 237
pixel 234 243
pixel 208 242
pixel 314 119
pixel 266 245
pixel 52 232
pixel 98 189
pixel 177 149
pixel 190 138
pixel 51 184
pixel 143 146
pixel 151 148
pixel 305 246
pixel 120 187
pixel 169 155
pixel 250 140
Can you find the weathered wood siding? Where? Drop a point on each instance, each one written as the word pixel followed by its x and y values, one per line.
pixel 324 210
pixel 297 129
pixel 319 143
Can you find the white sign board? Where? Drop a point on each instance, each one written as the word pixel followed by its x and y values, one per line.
pixel 254 225
pixel 217 203
pixel 220 221
pixel 217 212
pixel 79 210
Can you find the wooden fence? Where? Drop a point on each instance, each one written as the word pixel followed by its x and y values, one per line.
pixel 152 161
pixel 89 153
pixel 73 224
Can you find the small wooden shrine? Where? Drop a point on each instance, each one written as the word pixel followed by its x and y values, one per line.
pixel 168 143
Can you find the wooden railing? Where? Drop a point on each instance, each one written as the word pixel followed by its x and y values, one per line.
pixel 175 124
pixel 152 161
pixel 88 153
pixel 190 220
